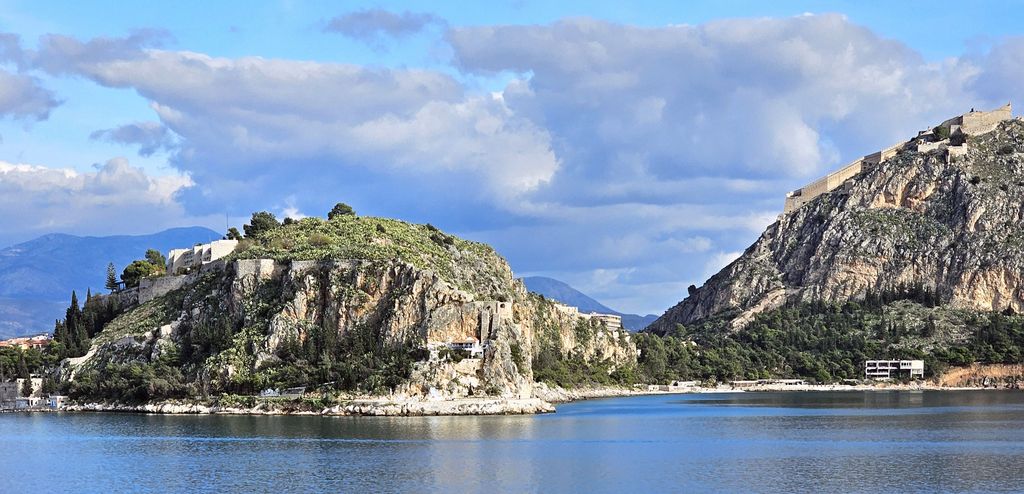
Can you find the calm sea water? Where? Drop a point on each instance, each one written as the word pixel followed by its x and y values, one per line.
pixel 743 442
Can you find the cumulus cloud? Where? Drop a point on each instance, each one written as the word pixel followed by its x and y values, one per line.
pixel 700 130
pixel 10 49
pixel 59 54
pixel 115 198
pixel 149 136
pixel 374 26
pixel 23 97
pixel 243 122
pixel 757 97
pixel 1001 71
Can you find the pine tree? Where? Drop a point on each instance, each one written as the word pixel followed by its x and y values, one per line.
pixel 111 277
pixel 26 387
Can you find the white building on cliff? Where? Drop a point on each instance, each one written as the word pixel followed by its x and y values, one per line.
pixel 185 259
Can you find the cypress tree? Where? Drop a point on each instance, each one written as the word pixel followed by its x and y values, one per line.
pixel 22 367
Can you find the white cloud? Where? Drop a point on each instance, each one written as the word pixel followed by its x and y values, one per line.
pixel 253 120
pixel 115 198
pixel 373 26
pixel 23 97
pixel 739 98
pixel 717 261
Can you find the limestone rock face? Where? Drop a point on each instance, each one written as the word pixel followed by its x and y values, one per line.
pixel 951 223
pixel 279 303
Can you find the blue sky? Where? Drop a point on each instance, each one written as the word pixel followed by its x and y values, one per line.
pixel 628 150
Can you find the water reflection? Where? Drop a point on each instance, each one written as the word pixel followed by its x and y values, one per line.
pixel 742 442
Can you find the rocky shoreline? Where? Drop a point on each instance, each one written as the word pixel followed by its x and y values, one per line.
pixel 543 401
pixel 362 407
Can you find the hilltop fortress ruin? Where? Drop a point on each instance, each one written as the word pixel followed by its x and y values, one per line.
pixel 950 135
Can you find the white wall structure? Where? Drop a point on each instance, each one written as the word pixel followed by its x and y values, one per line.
pixel 184 259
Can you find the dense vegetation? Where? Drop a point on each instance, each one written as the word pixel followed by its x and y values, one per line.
pixel 348 236
pixel 828 342
pixel 18 363
pixel 73 335
pixel 558 366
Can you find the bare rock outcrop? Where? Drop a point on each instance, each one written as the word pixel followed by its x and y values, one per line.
pixel 952 223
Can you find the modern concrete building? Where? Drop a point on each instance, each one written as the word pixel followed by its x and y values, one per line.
pixel 610 321
pixel 887 369
pixel 179 260
pixel 471 345
pixel 37 386
pixel 22 403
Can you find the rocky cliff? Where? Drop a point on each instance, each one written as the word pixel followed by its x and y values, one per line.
pixel 363 305
pixel 950 222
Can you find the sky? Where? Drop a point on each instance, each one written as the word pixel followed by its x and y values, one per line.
pixel 628 150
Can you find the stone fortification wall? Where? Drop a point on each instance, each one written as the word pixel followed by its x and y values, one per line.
pixel 151 288
pixel 980 122
pixel 971 123
pixel 977 122
pixel 803 195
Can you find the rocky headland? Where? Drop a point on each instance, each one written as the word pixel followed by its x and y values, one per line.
pixel 360 306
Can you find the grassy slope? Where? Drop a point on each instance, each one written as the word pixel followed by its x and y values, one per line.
pixel 458 261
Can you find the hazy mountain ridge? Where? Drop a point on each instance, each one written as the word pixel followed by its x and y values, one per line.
pixel 565 293
pixel 37 276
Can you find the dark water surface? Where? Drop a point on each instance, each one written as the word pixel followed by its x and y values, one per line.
pixel 970 441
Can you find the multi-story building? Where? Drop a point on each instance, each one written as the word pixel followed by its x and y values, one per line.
pixel 184 259
pixel 610 321
pixel 886 369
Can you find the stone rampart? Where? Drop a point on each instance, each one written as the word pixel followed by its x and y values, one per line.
pixel 971 123
pixel 261 269
pixel 151 288
pixel 981 122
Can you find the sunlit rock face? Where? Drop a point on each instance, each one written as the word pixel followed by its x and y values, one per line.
pixel 952 222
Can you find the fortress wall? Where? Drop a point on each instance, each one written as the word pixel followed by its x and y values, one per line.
pixel 150 288
pixel 812 190
pixel 261 269
pixel 974 122
pixel 980 122
pixel 836 178
pixel 822 185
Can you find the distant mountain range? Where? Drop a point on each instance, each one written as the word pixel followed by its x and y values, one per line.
pixel 563 292
pixel 36 277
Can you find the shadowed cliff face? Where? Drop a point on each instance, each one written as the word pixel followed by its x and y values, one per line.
pixel 955 225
